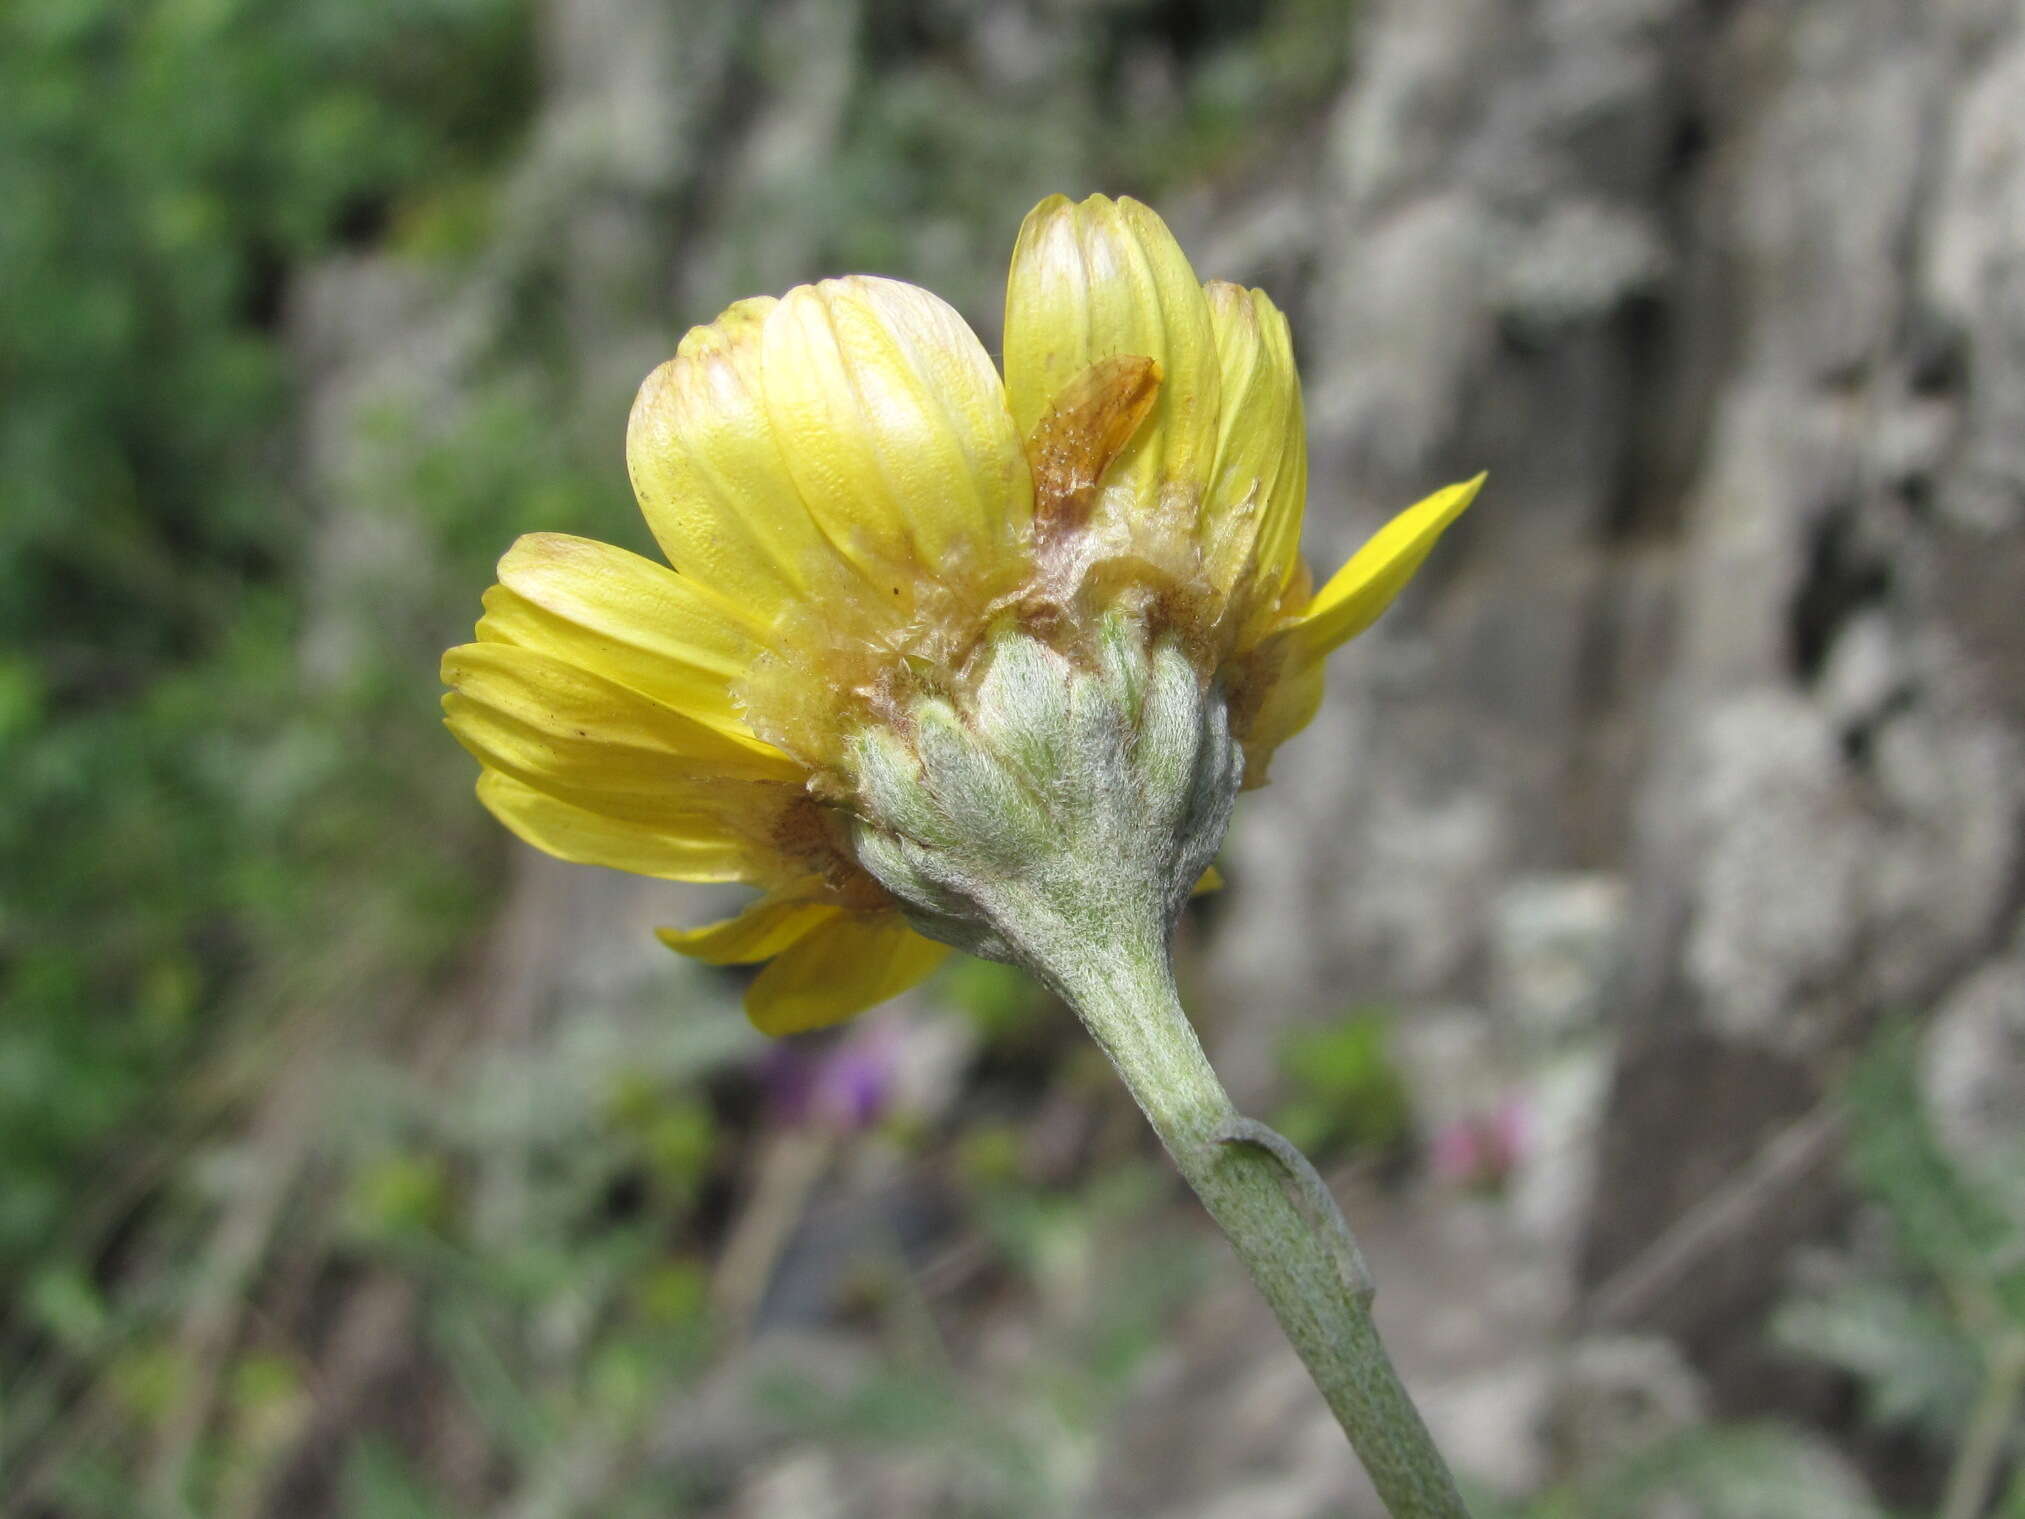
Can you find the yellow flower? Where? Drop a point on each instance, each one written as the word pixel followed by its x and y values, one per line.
pixel 855 505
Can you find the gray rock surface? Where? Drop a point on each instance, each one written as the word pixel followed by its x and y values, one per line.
pixel 1728 300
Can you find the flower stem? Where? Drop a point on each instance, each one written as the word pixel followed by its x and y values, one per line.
pixel 1981 1457
pixel 1272 1206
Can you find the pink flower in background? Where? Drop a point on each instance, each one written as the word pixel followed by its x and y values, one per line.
pixel 1479 1151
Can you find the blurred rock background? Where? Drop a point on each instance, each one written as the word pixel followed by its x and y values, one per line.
pixel 1636 936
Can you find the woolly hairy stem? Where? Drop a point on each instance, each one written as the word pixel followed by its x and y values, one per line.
pixel 1270 1204
pixel 1056 819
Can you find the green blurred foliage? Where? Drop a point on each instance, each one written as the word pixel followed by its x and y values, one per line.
pixel 178 807
pixel 163 165
pixel 1930 1332
pixel 1345 1091
pixel 1107 1278
pixel 1757 1471
pixel 1001 1001
pixel 194 837
pixel 379 1481
pixel 1933 1326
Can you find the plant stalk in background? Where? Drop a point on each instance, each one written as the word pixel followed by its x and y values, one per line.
pixel 950 660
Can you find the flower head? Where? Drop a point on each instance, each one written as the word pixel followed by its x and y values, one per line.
pixel 892 571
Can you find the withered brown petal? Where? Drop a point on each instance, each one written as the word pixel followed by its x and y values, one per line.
pixel 1086 427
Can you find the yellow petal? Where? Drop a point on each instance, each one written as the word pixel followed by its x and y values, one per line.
pixel 1288 706
pixel 1261 442
pixel 1210 880
pixel 712 480
pixel 629 619
pixel 706 851
pixel 852 962
pixel 590 742
pixel 764 929
pixel 1376 573
pixel 1101 278
pixel 896 426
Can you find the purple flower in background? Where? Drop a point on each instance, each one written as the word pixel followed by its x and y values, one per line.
pixel 844 1084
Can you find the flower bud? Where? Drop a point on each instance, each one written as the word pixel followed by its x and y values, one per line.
pixel 1057 798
